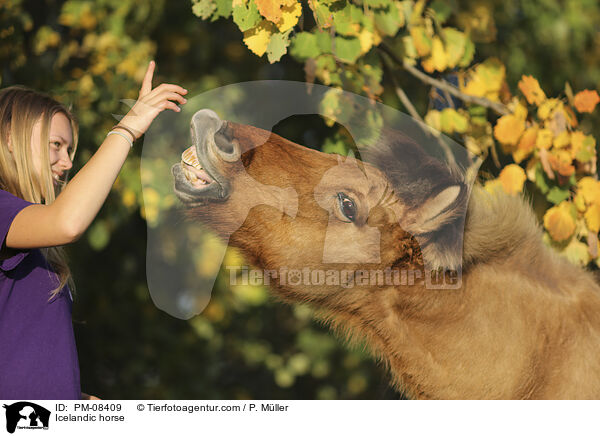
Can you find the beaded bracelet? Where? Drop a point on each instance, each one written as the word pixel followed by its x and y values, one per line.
pixel 122 135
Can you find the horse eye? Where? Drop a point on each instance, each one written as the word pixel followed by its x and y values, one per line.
pixel 347 206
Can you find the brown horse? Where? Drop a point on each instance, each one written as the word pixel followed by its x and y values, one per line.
pixel 519 321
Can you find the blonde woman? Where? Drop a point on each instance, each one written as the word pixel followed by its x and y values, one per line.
pixel 39 213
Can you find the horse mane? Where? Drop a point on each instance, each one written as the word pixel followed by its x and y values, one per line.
pixel 498 226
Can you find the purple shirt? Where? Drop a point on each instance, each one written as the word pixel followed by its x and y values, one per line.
pixel 38 358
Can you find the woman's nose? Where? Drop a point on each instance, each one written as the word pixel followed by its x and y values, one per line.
pixel 65 160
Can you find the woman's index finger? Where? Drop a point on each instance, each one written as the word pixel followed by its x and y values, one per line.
pixel 147 82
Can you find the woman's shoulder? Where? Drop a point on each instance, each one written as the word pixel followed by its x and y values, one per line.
pixel 9 202
pixel 6 196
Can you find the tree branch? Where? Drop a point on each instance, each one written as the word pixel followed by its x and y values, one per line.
pixel 402 95
pixel 443 85
pixel 413 112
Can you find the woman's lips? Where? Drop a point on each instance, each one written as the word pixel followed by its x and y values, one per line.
pixel 56 178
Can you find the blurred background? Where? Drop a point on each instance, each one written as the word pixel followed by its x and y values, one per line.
pixel 244 345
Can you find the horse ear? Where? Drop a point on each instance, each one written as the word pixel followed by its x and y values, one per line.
pixel 435 212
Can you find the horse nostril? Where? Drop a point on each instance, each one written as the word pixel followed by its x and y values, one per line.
pixel 227 131
pixel 227 147
pixel 223 142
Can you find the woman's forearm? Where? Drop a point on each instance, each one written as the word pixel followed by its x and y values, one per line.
pixel 81 199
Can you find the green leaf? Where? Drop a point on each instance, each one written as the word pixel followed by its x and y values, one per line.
pixel 377 3
pixel 224 9
pixel 203 8
pixel 324 42
pixel 387 22
pixel 469 52
pixel 246 16
pixel 335 145
pixel 346 20
pixel 278 46
pixel 455 45
pixel 322 13
pixel 442 10
pixel 477 115
pixel 327 71
pixel 305 46
pixel 372 71
pixel 587 150
pixel 540 179
pixel 453 121
pixel 557 195
pixel 347 49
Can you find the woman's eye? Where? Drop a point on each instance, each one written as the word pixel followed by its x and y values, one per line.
pixel 347 206
pixel 55 144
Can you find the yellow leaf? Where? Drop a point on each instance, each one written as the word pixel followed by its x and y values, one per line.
pixel 562 140
pixel 526 145
pixel 508 129
pixel 548 107
pixel 257 39
pixel 488 76
pixel 544 139
pixel 570 116
pixel 559 221
pixel 586 100
pixel 492 186
pixel 531 169
pixel 438 54
pixel 577 252
pixel 289 17
pixel 579 202
pixel 433 119
pixel 421 41
pixel 366 39
pixel 519 109
pixel 592 218
pixel 271 9
pixel 512 177
pixel 428 65
pixel 582 142
pixel 561 162
pixel 377 39
pixel 589 189
pixel 530 88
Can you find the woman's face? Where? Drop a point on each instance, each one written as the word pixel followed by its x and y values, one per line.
pixel 60 147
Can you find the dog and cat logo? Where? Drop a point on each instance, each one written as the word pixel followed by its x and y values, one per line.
pixel 26 415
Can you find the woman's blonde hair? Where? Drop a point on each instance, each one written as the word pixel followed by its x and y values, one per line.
pixel 20 109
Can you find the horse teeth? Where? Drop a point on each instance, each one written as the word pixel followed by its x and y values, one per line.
pixel 191 159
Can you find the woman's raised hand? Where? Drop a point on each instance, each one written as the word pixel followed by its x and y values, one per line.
pixel 151 102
